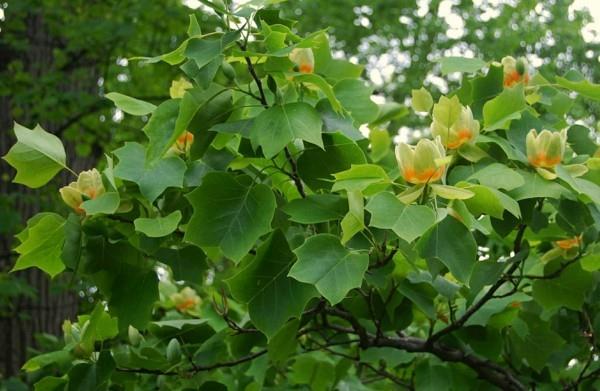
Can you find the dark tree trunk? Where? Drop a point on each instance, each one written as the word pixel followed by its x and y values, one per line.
pixel 54 301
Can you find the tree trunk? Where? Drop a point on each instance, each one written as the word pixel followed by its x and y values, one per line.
pixel 54 300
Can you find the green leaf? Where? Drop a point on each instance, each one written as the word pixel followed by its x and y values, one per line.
pixel 582 87
pixel 159 226
pixel 489 201
pixel 451 192
pixel 580 140
pixel 38 362
pixel 263 284
pixel 130 105
pixel 203 50
pixel 315 370
pixel 316 166
pixel 41 244
pixel 355 97
pixel 50 383
pixel 134 309
pixel 538 344
pixel 329 266
pixel 359 177
pixel 451 243
pixel 193 26
pixel 230 213
pixel 584 187
pixel 461 64
pixel 71 251
pixel 421 294
pixel 100 327
pixel 323 86
pixel 316 208
pixel 107 203
pixel 537 187
pixel 407 221
pixel 421 101
pixel 334 122
pixel 152 179
pixel 187 263
pixel 160 128
pixel 277 126
pixel 567 290
pixel 354 221
pixel 498 176
pixel 37 156
pixel 284 342
pixel 498 112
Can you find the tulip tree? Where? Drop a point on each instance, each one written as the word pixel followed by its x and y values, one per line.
pixel 267 233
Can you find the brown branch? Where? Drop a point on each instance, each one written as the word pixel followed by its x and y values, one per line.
pixel 197 368
pixel 489 295
pixel 385 374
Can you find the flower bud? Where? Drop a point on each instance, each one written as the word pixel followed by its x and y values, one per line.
pixel 88 187
pixel 304 59
pixel 183 144
pixel 463 130
pixel 567 244
pixel 178 88
pixel 545 150
pixel 185 300
pixel 134 336
pixel 515 71
pixel 421 163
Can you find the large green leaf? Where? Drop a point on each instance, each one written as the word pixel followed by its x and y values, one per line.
pixel 230 213
pixel 407 221
pixel 263 284
pixel 317 166
pixel 538 343
pixel 498 112
pixel 316 208
pixel 498 176
pixel 158 226
pixel 130 105
pixel 329 266
pixel 153 178
pixel 355 97
pixel 277 126
pixel 537 187
pixel 488 200
pixel 583 87
pixel 359 177
pixel 566 290
pixel 41 244
pixel 106 203
pixel 125 278
pixel 451 243
pixel 187 263
pixel 37 156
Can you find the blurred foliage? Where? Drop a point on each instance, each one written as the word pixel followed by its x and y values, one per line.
pixel 401 41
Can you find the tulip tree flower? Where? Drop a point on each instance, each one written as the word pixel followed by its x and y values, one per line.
pixel 185 300
pixel 183 144
pixel 304 59
pixel 178 88
pixel 88 187
pixel 545 150
pixel 565 248
pixel 462 130
pixel 515 71
pixel 421 163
